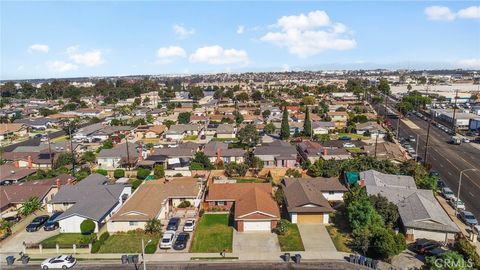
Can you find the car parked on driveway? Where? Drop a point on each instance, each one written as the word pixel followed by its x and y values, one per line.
pixel 189 225
pixel 173 224
pixel 468 218
pixel 181 241
pixel 51 224
pixel 349 145
pixel 62 261
pixel 37 223
pixel 167 239
pixel 427 247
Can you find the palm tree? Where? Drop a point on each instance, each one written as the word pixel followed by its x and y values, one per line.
pixel 153 226
pixel 30 206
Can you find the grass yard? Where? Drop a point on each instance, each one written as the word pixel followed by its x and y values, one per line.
pixel 354 136
pixel 68 239
pixel 291 240
pixel 340 231
pixel 130 242
pixel 250 180
pixel 354 150
pixel 190 137
pixel 213 234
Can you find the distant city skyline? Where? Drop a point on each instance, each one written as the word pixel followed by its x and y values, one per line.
pixel 83 39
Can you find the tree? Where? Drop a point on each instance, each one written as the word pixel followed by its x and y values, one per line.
pixel 266 114
pixel 64 159
pixel 307 124
pixel 316 169
pixel 242 97
pixel 238 117
pixel 183 118
pixel 153 226
pixel 30 206
pixel 360 213
pixel 256 95
pixel 384 87
pixel 87 226
pixel 404 107
pixel 308 100
pixel 168 123
pixel 386 209
pixel 420 174
pixel 409 87
pixel 248 135
pixel 269 128
pixel 449 260
pixel 119 173
pixel 143 173
pixel 254 162
pixel 285 127
pixel 200 161
pixel 159 171
pixel 386 243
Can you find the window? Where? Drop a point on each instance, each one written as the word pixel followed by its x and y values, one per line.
pixel 331 192
pixel 221 203
pixel 133 223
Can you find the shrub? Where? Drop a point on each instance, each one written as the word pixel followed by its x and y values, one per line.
pixel 103 237
pixel 96 246
pixel 136 183
pixel 153 226
pixel 87 226
pixel 151 248
pixel 102 172
pixel 159 171
pixel 118 173
pixel 143 173
pixel 178 175
pixel 282 227
pixel 201 212
pixel 184 204
pixel 468 251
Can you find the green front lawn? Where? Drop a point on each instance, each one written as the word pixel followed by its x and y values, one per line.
pixel 130 242
pixel 68 239
pixel 213 234
pixel 340 231
pixel 190 137
pixel 291 240
pixel 354 136
pixel 354 150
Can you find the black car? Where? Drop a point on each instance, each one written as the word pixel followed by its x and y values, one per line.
pixel 51 224
pixel 173 224
pixel 425 246
pixel 37 223
pixel 181 241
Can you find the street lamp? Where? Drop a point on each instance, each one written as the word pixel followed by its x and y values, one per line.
pixel 143 253
pixel 459 185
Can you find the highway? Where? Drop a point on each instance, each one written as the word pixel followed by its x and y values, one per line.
pixel 447 159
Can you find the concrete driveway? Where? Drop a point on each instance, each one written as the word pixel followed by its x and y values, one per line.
pixel 254 242
pixel 316 238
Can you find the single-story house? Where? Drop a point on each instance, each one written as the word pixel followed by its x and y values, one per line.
pixel 12 173
pixel 120 156
pixel 177 132
pixel 11 130
pixel 92 198
pixel 41 123
pixel 217 151
pixel 277 154
pixel 387 151
pixel 155 200
pixel 320 127
pixel 372 129
pixel 254 208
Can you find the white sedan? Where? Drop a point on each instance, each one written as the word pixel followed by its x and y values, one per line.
pixel 189 225
pixel 349 145
pixel 167 240
pixel 62 261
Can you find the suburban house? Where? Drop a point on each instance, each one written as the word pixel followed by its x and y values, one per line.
pixel 121 155
pixel 254 208
pixel 13 196
pixel 179 131
pixel 338 118
pixel 320 127
pixel 40 159
pixel 12 173
pixel 155 200
pixel 372 129
pixel 277 154
pixel 150 132
pixel 12 131
pixel 307 199
pixel 220 131
pixel 85 133
pixel 175 158
pixel 90 198
pixel 41 123
pixel 387 151
pixel 420 213
pixel 218 151
pixel 313 151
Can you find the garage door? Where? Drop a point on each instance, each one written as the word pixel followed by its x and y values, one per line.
pixel 309 218
pixel 256 226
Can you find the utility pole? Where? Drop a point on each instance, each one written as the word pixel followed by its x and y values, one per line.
pixel 71 149
pixel 376 142
pixel 426 142
pixel 459 185
pixel 416 148
pixel 128 154
pixel 398 125
pixel 454 127
pixel 50 150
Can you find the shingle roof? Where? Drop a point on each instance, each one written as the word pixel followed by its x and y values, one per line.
pixel 376 178
pixel 211 149
pixel 277 148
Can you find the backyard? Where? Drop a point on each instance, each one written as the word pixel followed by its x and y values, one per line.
pixel 291 239
pixel 130 242
pixel 250 180
pixel 354 136
pixel 213 234
pixel 68 239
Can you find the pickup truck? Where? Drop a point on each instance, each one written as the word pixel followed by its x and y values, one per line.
pixel 455 140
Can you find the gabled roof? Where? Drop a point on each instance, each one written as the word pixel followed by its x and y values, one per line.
pixel 277 148
pixel 120 151
pixel 376 178
pixel 211 149
pixel 305 195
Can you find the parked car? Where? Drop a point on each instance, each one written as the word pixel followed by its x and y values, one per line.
pixel 411 138
pixel 62 261
pixel 476 230
pixel 37 223
pixel 173 224
pixel 349 145
pixel 447 193
pixel 458 204
pixel 345 138
pixel 468 218
pixel 189 225
pixel 181 241
pixel 51 224
pixel 167 239
pixel 425 246
pixel 434 173
pixel 466 140
pixel 440 184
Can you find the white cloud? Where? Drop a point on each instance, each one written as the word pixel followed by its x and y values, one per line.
pixel 60 66
pixel 42 48
pixel 240 29
pixel 308 35
pixel 183 32
pixel 167 54
pixel 472 12
pixel 89 58
pixel 216 55
pixel 439 13
pixel 473 63
pixel 442 13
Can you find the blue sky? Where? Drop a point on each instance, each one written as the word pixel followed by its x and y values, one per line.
pixel 68 39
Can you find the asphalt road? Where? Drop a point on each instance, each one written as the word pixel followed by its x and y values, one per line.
pixel 447 159
pixel 327 265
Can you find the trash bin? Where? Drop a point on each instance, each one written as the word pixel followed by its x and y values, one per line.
pixel 25 259
pixel 130 258
pixel 298 257
pixel 10 260
pixel 286 257
pixel 124 259
pixel 135 259
pixel 351 258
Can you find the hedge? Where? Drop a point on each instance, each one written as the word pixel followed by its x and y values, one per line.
pixel 87 226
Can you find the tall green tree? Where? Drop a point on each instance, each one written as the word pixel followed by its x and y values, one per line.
pixel 30 206
pixel 307 124
pixel 184 118
pixel 285 127
pixel 248 135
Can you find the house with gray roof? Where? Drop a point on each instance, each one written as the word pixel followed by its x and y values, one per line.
pixel 122 155
pixel 92 198
pixel 41 123
pixel 420 213
pixel 216 151
pixel 177 132
pixel 277 154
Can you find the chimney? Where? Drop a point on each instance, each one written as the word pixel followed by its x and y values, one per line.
pixel 58 183
pixel 29 159
pixel 140 155
pixel 17 164
pixel 325 152
pixel 219 156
